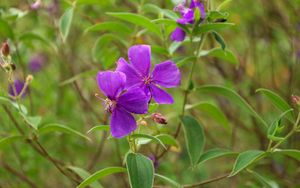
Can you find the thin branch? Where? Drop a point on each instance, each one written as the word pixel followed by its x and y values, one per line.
pixel 206 181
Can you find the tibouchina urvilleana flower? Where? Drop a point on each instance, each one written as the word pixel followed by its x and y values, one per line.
pixel 165 74
pixel 187 17
pixel 17 88
pixel 121 103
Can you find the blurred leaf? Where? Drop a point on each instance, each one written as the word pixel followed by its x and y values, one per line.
pixel 20 108
pixel 166 22
pixel 159 11
pixel 137 20
pixel 33 36
pixel 173 47
pixel 245 159
pixel 33 121
pixel 185 60
pixel 140 171
pixel 213 111
pixel 84 174
pixel 224 5
pixel 152 107
pixel 85 74
pixel 273 129
pixel 203 28
pixel 9 140
pixel 65 23
pixel 278 102
pixel 214 15
pixel 109 26
pixel 61 128
pixel 100 174
pixel 266 182
pixel 12 14
pixel 225 55
pixel 166 179
pixel 99 128
pixel 194 138
pixel 157 140
pixel 215 153
pixel 289 152
pixel 219 39
pixel 234 97
pixel 159 50
pixel 6 30
pixel 168 140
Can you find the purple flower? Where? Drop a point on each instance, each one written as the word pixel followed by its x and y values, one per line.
pixel 165 74
pixel 19 85
pixel 121 103
pixel 187 17
pixel 36 5
pixel 36 63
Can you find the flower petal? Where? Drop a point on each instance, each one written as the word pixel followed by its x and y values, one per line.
pixel 187 17
pixel 140 57
pixel 132 76
pixel 111 83
pixel 160 96
pixel 200 6
pixel 166 74
pixel 134 100
pixel 122 123
pixel 178 35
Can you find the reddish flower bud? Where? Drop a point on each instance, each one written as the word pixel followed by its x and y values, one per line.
pixel 5 49
pixel 159 118
pixel 295 99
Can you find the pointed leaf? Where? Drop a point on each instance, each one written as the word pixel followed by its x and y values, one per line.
pixel 84 174
pixel 215 153
pixel 171 182
pixel 99 128
pixel 10 139
pixel 65 23
pixel 289 152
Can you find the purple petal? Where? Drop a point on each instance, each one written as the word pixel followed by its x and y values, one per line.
pixel 111 83
pixel 18 85
pixel 132 76
pixel 140 57
pixel 122 123
pixel 134 100
pixel 200 6
pixel 187 17
pixel 178 35
pixel 166 74
pixel 160 96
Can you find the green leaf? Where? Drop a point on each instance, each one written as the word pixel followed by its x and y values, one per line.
pixel 84 174
pixel 289 152
pixel 203 28
pixel 212 111
pixel 10 139
pixel 137 20
pixel 215 153
pixel 245 159
pixel 86 74
pixel 6 30
pixel 109 26
pixel 214 15
pixel 185 60
pixel 278 102
pixel 275 126
pixel 219 39
pixel 20 108
pixel 234 97
pixel 140 171
pixel 151 8
pixel 168 140
pixel 168 180
pixel 194 137
pixel 65 23
pixel 100 174
pixel 53 127
pixel 99 128
pixel 152 107
pixel 226 55
pixel 33 121
pixel 157 140
pixel 224 5
pixel 266 182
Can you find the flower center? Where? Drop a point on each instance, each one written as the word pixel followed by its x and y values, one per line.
pixel 109 105
pixel 147 80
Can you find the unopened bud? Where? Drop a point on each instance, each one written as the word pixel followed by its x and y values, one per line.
pixel 159 118
pixel 295 100
pixel 143 122
pixel 29 79
pixel 5 49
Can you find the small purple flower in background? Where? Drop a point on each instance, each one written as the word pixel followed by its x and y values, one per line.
pixel 53 8
pixel 19 85
pixel 36 5
pixel 187 17
pixel 154 160
pixel 165 74
pixel 121 103
pixel 36 62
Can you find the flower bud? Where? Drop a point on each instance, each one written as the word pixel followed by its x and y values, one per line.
pixel 295 100
pixel 29 79
pixel 159 118
pixel 5 49
pixel 143 122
